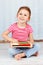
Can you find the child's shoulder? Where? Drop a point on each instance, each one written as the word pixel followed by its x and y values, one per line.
pixel 13 24
pixel 29 26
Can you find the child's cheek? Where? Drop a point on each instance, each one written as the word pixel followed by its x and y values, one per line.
pixel 26 19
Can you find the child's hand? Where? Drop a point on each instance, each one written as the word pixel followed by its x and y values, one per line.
pixel 31 44
pixel 14 42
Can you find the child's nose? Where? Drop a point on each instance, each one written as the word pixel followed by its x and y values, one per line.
pixel 22 16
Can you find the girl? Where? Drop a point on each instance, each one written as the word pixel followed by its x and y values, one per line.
pixel 21 31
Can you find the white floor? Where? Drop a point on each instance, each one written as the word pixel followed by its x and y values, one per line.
pixel 6 60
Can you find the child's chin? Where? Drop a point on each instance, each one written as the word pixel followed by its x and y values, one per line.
pixel 22 21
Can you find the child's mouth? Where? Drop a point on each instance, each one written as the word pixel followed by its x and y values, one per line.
pixel 21 19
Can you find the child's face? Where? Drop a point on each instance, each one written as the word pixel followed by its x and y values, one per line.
pixel 23 16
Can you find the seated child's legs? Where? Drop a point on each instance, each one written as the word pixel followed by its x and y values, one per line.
pixel 33 50
pixel 14 51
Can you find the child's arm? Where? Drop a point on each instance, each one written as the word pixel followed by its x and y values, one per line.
pixel 5 35
pixel 31 41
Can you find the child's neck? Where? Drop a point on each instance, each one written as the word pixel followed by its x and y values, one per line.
pixel 21 25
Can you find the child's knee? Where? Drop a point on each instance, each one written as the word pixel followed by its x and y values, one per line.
pixel 37 46
pixel 11 51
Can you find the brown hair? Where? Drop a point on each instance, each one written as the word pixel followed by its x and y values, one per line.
pixel 26 8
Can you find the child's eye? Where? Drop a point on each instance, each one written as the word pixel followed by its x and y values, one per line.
pixel 25 15
pixel 20 13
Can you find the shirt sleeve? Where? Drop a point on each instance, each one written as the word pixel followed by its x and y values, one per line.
pixel 30 30
pixel 10 29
